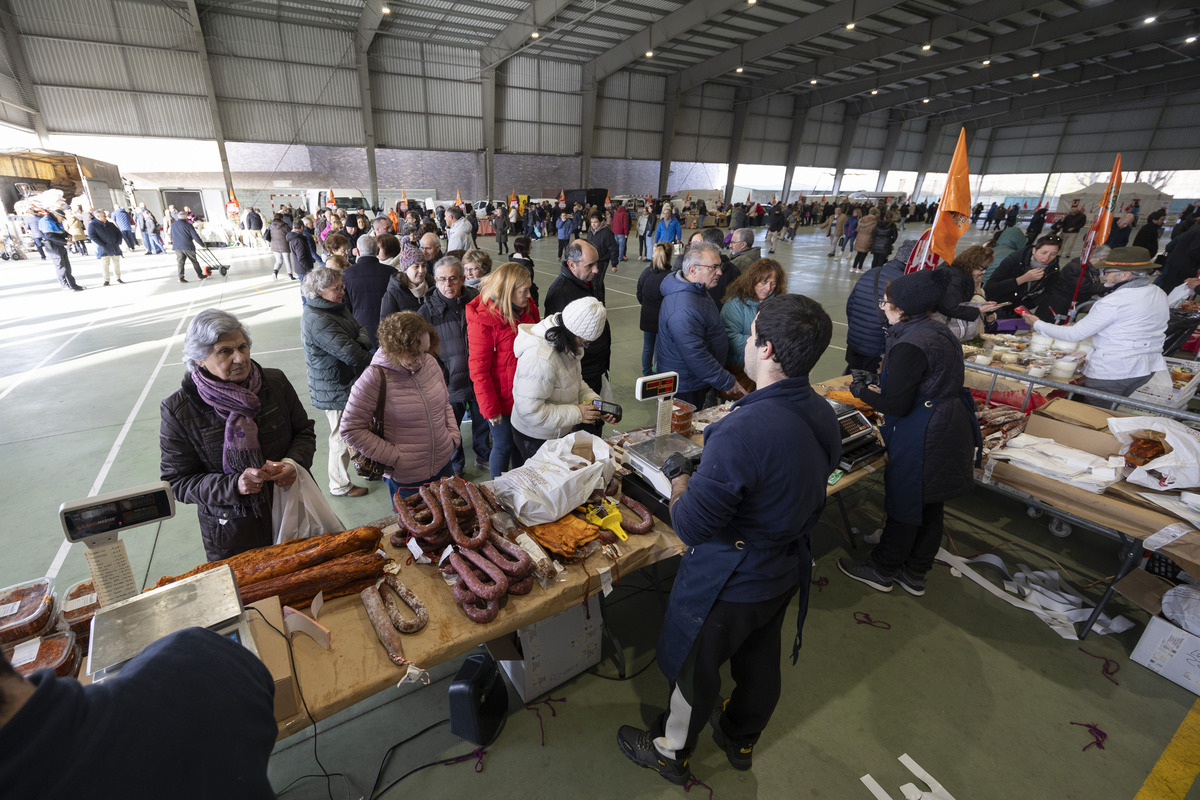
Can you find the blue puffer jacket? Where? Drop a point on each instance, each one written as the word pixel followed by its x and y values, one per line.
pixel 864 320
pixel 738 316
pixel 691 336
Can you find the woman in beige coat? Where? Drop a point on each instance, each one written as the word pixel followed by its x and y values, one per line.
pixel 865 238
pixel 836 225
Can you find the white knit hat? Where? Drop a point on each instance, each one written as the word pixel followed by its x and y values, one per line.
pixel 585 318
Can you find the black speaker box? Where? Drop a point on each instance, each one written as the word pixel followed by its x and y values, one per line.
pixel 478 700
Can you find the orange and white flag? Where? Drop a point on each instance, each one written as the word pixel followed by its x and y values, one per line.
pixel 954 209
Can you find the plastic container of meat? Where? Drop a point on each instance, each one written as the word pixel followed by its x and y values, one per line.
pixel 79 605
pixel 57 651
pixel 26 610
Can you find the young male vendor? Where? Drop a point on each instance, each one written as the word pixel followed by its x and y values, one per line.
pixel 745 516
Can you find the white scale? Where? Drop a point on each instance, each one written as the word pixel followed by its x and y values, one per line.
pixel 647 458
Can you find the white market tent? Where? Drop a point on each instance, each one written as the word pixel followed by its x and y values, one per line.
pixel 1149 198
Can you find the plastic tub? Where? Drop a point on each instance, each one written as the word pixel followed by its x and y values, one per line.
pixel 79 605
pixel 26 610
pixel 57 651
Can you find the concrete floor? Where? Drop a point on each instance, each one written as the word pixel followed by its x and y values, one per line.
pixel 979 694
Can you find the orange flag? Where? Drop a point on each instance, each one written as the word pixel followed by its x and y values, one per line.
pixel 607 200
pixel 513 202
pixel 747 198
pixel 954 209
pixel 458 197
pixel 403 201
pixel 773 196
pixel 1106 209
pixel 329 201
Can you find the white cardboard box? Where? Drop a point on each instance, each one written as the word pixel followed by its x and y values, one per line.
pixel 1171 652
pixel 543 655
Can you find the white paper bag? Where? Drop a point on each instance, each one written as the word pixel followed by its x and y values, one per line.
pixel 556 480
pixel 301 510
pixel 1179 469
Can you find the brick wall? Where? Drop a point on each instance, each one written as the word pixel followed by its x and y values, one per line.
pixel 625 176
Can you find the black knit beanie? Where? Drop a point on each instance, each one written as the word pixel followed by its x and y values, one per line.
pixel 919 292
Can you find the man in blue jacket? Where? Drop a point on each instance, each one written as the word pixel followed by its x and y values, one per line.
pixel 745 516
pixel 691 336
pixel 183 241
pixel 124 222
pixel 864 320
pixel 107 238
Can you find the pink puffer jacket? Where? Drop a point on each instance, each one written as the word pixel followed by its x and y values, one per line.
pixel 419 431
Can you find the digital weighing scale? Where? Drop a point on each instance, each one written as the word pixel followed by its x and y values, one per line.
pixel 859 443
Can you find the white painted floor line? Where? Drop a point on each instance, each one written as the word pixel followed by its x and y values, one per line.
pixel 622 308
pixel 21 378
pixel 258 353
pixel 65 547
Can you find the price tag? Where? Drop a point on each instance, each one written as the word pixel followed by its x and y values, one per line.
pixel 445 554
pixel 111 573
pixel 606 585
pixel 388 530
pixel 317 603
pixel 26 652
pixel 79 602
pixel 8 609
pixel 419 556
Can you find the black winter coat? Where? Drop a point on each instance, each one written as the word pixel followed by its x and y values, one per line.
pixel 650 297
pixel 191 439
pixel 399 297
pixel 566 288
pixel 1003 286
pixel 336 351
pixel 864 320
pixel 302 260
pixel 1147 237
pixel 1058 296
pixel 885 236
pixel 960 290
pixel 366 282
pixel 277 234
pixel 449 319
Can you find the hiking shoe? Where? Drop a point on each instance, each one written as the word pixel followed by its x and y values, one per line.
pixel 865 572
pixel 638 747
pixel 740 756
pixel 911 582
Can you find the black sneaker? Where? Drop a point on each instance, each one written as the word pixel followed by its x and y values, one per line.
pixel 740 756
pixel 911 582
pixel 638 747
pixel 865 572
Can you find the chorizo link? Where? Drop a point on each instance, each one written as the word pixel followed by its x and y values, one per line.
pixel 300 587
pixel 462 595
pixel 408 516
pixel 482 615
pixel 523 586
pixel 510 558
pixel 410 599
pixel 489 591
pixel 646 521
pixel 388 636
pixel 463 540
pixel 470 493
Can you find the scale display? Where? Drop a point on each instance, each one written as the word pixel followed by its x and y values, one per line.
pixel 652 386
pixel 116 511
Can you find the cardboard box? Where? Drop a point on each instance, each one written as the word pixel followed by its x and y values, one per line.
pixel 543 655
pixel 1098 443
pixel 273 651
pixel 1080 414
pixel 1171 652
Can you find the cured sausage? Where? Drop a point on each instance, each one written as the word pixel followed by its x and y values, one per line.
pixel 645 523
pixel 388 636
pixel 509 557
pixel 462 595
pixel 607 536
pixel 410 599
pixel 523 586
pixel 408 517
pixel 482 615
pixel 486 591
pixel 470 493
pixel 613 486
pixel 467 542
pixel 299 588
pixel 543 567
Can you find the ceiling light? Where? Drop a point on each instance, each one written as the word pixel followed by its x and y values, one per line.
pixel 813 81
pixel 926 100
pixel 751 2
pixel 1189 39
pixel 649 54
pixel 534 35
pixel 987 61
pixel 874 91
pixel 386 10
pixel 1036 75
pixel 1148 20
pixel 926 46
pixel 850 26
pixel 738 70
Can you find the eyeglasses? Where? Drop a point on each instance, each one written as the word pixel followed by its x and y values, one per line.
pixel 708 266
pixel 885 302
pixel 451 279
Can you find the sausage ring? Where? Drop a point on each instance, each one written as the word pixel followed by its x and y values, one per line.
pixel 645 523
pixel 462 595
pixel 486 591
pixel 410 599
pixel 482 615
pixel 453 523
pixel 470 493
pixel 523 586
pixel 510 558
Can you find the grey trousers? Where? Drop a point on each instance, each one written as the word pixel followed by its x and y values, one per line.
pixel 1121 386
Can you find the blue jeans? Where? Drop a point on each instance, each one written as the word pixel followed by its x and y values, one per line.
pixel 649 340
pixel 504 453
pixel 408 491
pixel 621 246
pixel 480 434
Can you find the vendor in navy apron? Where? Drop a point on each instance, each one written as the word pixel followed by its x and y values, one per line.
pixel 930 431
pixel 745 515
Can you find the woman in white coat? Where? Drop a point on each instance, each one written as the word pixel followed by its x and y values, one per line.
pixel 1126 326
pixel 550 398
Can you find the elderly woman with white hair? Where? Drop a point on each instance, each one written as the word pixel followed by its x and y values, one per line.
pixel 228 433
pixel 336 351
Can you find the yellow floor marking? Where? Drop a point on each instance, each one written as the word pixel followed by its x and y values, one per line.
pixel 1179 764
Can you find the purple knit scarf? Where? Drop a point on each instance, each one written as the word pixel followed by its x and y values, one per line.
pixel 238 405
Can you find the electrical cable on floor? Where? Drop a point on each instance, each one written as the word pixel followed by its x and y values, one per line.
pixel 392 749
pixel 326 774
pixel 477 753
pixel 627 677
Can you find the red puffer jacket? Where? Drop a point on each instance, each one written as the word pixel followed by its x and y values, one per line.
pixel 490 355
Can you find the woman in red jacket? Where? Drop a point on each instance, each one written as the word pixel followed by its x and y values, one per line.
pixel 492 320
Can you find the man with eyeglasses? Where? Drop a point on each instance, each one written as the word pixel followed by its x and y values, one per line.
pixel 446 311
pixel 691 336
pixel 576 280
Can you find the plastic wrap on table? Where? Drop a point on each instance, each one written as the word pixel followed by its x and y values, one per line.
pixel 26 610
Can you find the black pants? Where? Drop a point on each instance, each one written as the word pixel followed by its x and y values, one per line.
pixel 62 264
pixel 130 239
pixel 856 360
pixel 912 547
pixel 182 256
pixel 747 636
pixel 878 260
pixel 501 243
pixel 562 247
pixel 526 446
pixel 696 398
pixel 859 260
